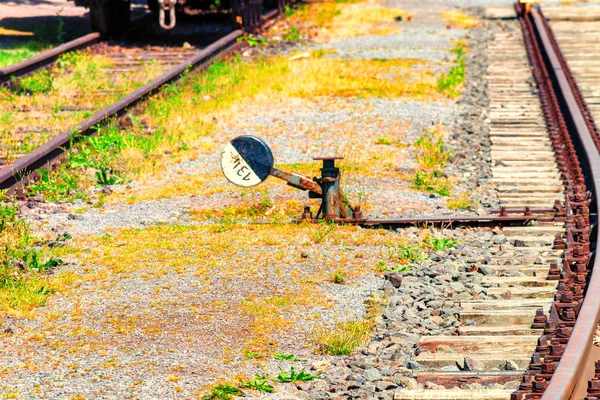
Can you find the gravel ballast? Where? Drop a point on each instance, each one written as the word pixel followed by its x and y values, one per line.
pixel 160 310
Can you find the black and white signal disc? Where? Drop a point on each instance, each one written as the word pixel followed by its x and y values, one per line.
pixel 246 161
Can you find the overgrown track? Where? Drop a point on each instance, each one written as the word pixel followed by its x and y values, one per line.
pixel 170 63
pixel 17 174
pixel 93 80
pixel 47 57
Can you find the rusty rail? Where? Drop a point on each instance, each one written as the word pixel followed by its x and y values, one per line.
pixel 15 176
pixel 464 220
pixel 569 328
pixel 573 360
pixel 18 174
pixel 46 58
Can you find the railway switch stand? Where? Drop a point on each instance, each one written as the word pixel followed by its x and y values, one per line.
pixel 247 161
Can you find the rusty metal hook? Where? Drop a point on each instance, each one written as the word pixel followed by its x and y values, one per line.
pixel 165 5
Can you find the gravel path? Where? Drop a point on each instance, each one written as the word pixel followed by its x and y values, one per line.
pixel 163 303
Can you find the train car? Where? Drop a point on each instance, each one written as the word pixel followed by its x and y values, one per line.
pixel 112 17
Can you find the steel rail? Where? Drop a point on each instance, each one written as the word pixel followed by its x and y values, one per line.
pixel 469 220
pixel 46 57
pixel 17 174
pixel 573 360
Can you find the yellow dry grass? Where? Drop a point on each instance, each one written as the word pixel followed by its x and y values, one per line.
pixel 275 285
pixel 233 90
pixel 462 201
pixel 458 19
pixel 13 32
pixel 321 76
pixel 328 20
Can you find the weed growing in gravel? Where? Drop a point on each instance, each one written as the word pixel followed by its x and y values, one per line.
pixel 58 185
pixel 294 376
pixel 439 244
pixel 432 158
pixel 344 338
pixel 254 41
pixel 292 35
pixel 451 81
pixel 406 254
pixel 23 281
pixel 460 202
pixel 384 140
pixel 432 182
pixel 338 277
pixel 252 355
pixel 223 392
pixel 431 154
pixel 399 268
pixel 287 357
pixel 324 230
pixel 259 383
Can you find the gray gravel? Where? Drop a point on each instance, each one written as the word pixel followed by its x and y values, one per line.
pixel 424 302
pixel 384 364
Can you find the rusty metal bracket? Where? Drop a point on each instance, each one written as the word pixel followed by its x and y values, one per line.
pixel 327 188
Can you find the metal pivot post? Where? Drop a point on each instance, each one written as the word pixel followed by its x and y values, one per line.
pixel 331 206
pixel 327 188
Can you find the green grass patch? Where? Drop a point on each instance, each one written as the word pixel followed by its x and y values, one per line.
pixel 259 383
pixel 440 244
pixel 431 154
pixel 252 355
pixel 432 182
pixel 295 376
pixel 45 36
pixel 23 264
pixel 20 52
pixel 38 82
pixel 287 357
pixel 223 392
pixel 344 338
pixel 406 254
pixel 432 158
pixel 450 82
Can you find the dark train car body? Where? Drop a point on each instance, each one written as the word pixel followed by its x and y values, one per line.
pixel 112 17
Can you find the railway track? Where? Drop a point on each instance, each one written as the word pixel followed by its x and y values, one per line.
pixel 527 333
pixel 532 332
pixel 48 123
pixel 112 69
